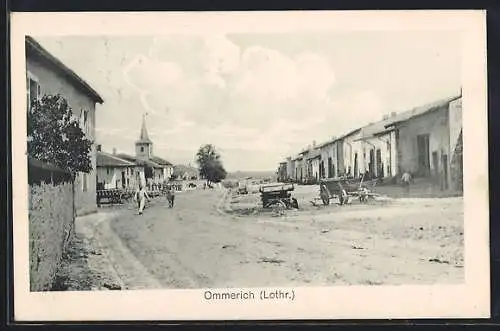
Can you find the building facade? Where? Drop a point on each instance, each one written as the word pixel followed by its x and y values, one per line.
pixel 114 172
pixel 150 169
pixel 428 142
pixel 378 149
pixel 329 160
pixel 46 75
pixel 350 154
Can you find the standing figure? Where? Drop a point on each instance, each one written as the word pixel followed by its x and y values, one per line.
pixel 170 196
pixel 140 196
pixel 406 179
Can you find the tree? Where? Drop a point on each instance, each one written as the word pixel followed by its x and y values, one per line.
pixel 54 136
pixel 210 164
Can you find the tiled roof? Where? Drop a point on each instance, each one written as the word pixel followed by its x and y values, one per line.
pixel 328 142
pixel 34 48
pixel 384 125
pixel 417 111
pixel 139 162
pixel 314 153
pixel 159 160
pixel 109 160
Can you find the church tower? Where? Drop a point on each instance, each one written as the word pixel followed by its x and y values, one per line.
pixel 144 146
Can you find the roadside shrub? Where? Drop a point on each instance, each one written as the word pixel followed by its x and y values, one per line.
pixel 51 225
pixel 230 184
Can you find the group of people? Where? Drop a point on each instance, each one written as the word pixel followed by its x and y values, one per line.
pixel 141 196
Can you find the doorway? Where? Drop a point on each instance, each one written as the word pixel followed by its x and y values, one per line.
pixel 330 169
pixel 371 164
pixel 355 174
pixel 380 165
pixel 423 154
pixel 445 171
pixel 124 183
pixel 435 166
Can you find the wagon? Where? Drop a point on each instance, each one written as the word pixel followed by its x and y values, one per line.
pixel 346 188
pixel 112 196
pixel 278 195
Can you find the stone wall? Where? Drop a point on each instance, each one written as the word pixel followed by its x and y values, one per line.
pixel 51 226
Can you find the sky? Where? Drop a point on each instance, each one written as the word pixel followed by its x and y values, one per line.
pixel 257 97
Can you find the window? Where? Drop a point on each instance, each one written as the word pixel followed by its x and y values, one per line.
pixel 33 89
pixel 84 182
pixel 142 149
pixel 84 122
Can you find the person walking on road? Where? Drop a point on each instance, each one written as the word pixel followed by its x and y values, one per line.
pixel 140 196
pixel 171 196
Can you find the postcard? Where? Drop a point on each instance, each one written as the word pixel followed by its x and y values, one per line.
pixel 250 165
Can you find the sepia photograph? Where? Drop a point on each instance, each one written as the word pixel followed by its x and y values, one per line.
pixel 251 165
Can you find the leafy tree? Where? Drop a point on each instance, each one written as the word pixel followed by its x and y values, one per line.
pixel 54 136
pixel 210 164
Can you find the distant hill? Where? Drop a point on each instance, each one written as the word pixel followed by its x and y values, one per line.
pixel 253 174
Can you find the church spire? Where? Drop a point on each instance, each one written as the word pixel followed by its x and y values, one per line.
pixel 144 138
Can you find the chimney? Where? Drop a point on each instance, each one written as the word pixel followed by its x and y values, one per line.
pixel 114 151
pixel 314 143
pixel 99 147
pixel 393 114
pixel 385 117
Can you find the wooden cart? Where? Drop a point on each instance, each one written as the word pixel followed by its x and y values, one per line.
pixel 278 195
pixel 345 189
pixel 113 196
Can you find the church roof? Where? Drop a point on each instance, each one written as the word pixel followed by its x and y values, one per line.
pixel 144 138
pixel 139 162
pixel 160 161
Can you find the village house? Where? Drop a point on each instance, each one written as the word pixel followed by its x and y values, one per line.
pixel 378 145
pixel 425 141
pixel 185 172
pixel 313 165
pixel 150 169
pixel 304 171
pixel 114 172
pixel 290 168
pixel 281 172
pixel 46 75
pixel 350 160
pixel 329 159
pixel 299 169
pixel 429 142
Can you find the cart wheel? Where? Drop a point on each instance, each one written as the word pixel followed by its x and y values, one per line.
pixel 279 207
pixel 343 198
pixel 325 199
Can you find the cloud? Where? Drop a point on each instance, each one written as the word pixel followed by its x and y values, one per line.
pixel 208 89
pixel 221 56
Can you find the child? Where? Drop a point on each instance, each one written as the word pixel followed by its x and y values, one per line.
pixel 141 195
pixel 406 179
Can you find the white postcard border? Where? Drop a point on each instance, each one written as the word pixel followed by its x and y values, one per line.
pixel 444 301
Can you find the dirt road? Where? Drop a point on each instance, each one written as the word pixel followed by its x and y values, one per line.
pixel 194 245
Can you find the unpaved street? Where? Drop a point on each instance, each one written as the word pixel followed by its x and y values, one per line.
pixel 196 245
